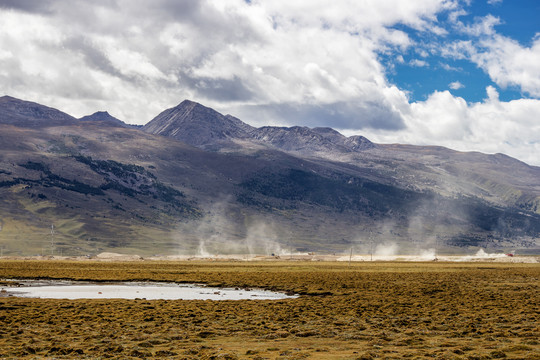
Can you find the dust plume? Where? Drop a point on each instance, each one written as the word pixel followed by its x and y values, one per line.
pixel 224 230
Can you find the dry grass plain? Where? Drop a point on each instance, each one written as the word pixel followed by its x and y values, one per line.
pixel 379 310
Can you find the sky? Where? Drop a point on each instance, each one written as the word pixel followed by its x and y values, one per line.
pixel 464 74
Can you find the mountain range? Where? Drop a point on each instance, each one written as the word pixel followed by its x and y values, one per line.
pixel 193 180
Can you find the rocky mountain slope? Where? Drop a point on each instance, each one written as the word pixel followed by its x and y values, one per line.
pixel 496 178
pixel 203 127
pixel 105 119
pixel 197 125
pixel 29 114
pixel 208 183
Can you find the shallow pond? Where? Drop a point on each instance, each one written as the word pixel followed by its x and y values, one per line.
pixel 49 289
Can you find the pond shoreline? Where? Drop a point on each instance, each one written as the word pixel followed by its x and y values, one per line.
pixel 132 290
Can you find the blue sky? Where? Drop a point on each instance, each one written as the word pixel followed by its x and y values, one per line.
pixel 518 20
pixel 464 74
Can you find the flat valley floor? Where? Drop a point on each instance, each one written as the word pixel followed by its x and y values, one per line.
pixel 365 310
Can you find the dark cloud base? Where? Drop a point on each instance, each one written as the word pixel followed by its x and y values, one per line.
pixel 341 115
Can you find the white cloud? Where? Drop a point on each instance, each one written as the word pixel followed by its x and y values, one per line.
pixel 490 126
pixel 449 68
pixel 223 53
pixel 278 62
pixel 494 2
pixel 455 14
pixel 418 63
pixel 458 50
pixel 482 26
pixel 506 61
pixel 456 85
pixel 423 53
pixel 492 94
pixel 510 64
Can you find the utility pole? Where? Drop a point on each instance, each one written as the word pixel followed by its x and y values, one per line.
pixel 436 246
pixel 371 244
pixel 2 248
pixel 289 247
pixel 52 239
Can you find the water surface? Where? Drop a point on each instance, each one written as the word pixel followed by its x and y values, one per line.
pixel 129 290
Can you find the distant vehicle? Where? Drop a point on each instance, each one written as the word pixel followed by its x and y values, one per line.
pixel 510 254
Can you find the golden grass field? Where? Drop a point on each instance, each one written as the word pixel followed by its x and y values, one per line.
pixel 374 310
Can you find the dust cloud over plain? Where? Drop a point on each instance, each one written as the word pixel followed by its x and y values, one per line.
pixel 223 232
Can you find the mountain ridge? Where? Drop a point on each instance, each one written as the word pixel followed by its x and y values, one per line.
pixel 200 126
pixel 126 190
pixel 196 125
pixel 30 114
pixel 329 144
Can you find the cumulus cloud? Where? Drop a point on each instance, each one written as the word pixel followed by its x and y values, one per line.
pixel 341 115
pixel 226 54
pixel 36 6
pixel 490 126
pixel 448 67
pixel 506 61
pixel 456 85
pixel 482 26
pixel 418 63
pixel 510 64
pixel 269 62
